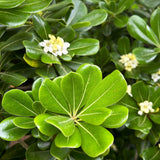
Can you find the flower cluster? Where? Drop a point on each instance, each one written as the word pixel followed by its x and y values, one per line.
pixel 129 60
pixel 54 45
pixel 155 76
pixel 145 107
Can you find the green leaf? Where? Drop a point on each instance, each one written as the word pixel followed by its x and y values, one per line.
pixel 63 123
pixel 62 69
pixel 59 153
pixel 52 98
pixel 91 75
pixel 120 21
pixel 139 29
pixel 124 45
pixel 41 27
pixel 144 55
pixel 155 98
pixel 81 25
pixel 72 87
pixel 152 153
pixel 13 17
pixel 33 50
pixel 18 102
pixel 79 11
pixel 84 47
pixel 43 126
pixel 95 17
pixel 155 117
pixel 11 78
pixel 117 118
pixel 95 116
pixel 155 22
pixel 140 123
pixel 24 122
pixel 35 88
pixel 74 141
pixel 15 42
pixel 33 6
pixel 95 139
pixel 10 4
pixel 150 3
pixel 50 59
pixel 109 91
pixel 37 107
pixel 9 132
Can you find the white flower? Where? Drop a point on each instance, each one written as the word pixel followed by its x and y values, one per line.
pixel 155 76
pixel 129 61
pixel 129 90
pixel 145 107
pixel 56 46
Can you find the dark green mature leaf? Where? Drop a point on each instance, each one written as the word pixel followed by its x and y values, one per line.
pixel 59 153
pixel 38 108
pixel 152 153
pixel 33 6
pixel 95 139
pixel 155 98
pixel 41 27
pixel 155 22
pixel 15 42
pixel 11 78
pixel 50 59
pixel 139 29
pixel 72 87
pixel 117 118
pixel 18 102
pixel 24 122
pixel 121 21
pixel 155 117
pixel 43 126
pixel 74 141
pixel 144 55
pixel 84 47
pixel 150 3
pixel 52 98
pixel 10 4
pixel 9 132
pixel 63 123
pixel 13 17
pixel 62 69
pixel 109 91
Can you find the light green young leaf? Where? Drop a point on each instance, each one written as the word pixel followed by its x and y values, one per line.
pixel 63 123
pixel 10 4
pixel 74 141
pixel 18 102
pixel 95 139
pixel 50 59
pixel 117 118
pixel 9 132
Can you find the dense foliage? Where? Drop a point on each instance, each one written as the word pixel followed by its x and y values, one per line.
pixel 79 79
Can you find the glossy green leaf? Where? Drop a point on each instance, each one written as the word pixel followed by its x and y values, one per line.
pixel 96 116
pixel 38 108
pixel 11 4
pixel 43 145
pixel 155 98
pixel 84 47
pixel 33 50
pixel 43 126
pixel 152 153
pixel 33 6
pixel 155 22
pixel 11 78
pixel 13 17
pixel 139 29
pixel 50 59
pixel 24 122
pixel 155 117
pixel 150 3
pixel 124 45
pixel 81 25
pixel 18 102
pixel 140 123
pixel 120 21
pixel 117 118
pixel 59 153
pixel 144 55
pixel 74 141
pixel 109 91
pixel 79 11
pixel 9 132
pixel 91 75
pixel 72 87
pixel 15 42
pixel 52 98
pixel 63 123
pixel 41 27
pixel 35 88
pixel 95 139
pixel 62 69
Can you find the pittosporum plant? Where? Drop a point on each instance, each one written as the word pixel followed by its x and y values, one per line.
pixel 74 111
